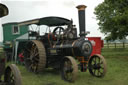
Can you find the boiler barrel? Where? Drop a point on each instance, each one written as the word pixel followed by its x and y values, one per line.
pixel 75 48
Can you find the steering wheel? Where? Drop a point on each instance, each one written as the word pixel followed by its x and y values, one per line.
pixel 58 31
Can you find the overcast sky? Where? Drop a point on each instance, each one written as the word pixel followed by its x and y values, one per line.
pixel 21 10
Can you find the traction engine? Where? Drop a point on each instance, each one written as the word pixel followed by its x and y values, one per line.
pixel 61 48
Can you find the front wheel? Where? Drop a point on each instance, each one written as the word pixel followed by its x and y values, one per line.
pixel 69 69
pixel 97 65
pixel 12 75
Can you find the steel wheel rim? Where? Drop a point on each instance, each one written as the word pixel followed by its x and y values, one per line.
pixel 35 56
pixel 10 77
pixel 97 66
pixel 69 69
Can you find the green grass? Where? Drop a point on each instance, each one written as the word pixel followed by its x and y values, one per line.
pixel 117 72
pixel 115 52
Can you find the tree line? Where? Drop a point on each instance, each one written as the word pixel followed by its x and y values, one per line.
pixel 112 16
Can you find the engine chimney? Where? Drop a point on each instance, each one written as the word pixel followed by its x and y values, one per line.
pixel 81 14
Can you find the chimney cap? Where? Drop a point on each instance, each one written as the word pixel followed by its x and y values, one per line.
pixel 81 7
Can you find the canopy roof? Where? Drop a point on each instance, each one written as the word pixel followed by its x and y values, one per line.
pixel 49 21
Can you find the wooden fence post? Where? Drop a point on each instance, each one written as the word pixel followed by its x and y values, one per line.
pixel 123 45
pixel 108 45
pixel 115 45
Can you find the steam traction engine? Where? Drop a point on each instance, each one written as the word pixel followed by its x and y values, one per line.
pixel 60 48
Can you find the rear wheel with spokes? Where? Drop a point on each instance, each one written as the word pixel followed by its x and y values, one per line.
pixel 35 56
pixel 97 65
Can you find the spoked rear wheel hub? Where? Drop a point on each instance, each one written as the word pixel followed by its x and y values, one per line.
pixel 97 65
pixel 35 56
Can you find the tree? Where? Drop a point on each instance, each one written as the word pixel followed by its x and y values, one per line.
pixel 113 18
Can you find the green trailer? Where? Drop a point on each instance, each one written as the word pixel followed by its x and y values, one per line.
pixel 12 35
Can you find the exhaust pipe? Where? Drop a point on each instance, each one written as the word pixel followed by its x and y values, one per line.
pixel 3 10
pixel 81 14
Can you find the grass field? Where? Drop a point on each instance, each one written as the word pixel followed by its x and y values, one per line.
pixel 117 72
